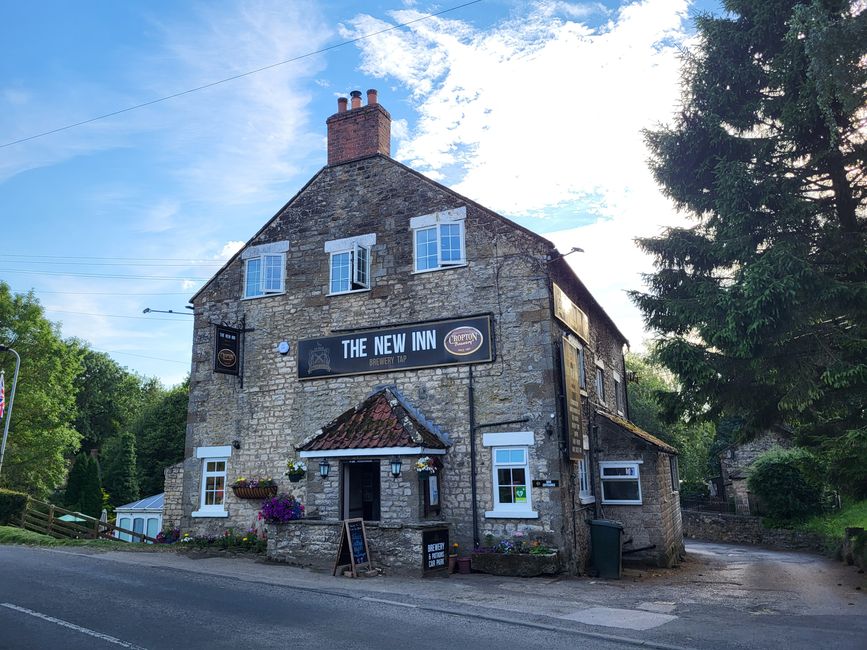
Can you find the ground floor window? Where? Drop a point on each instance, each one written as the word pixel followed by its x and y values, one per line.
pixel 361 494
pixel 585 486
pixel 212 497
pixel 621 482
pixel 511 474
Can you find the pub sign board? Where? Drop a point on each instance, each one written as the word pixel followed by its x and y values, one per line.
pixel 227 350
pixel 435 545
pixel 452 342
pixel 572 385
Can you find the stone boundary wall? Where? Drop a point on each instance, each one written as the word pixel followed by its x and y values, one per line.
pixel 744 529
pixel 395 548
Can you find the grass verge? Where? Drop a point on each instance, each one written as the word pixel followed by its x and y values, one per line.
pixel 12 535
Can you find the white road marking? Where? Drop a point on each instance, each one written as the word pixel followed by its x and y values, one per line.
pixel 72 626
pixel 629 619
pixel 390 602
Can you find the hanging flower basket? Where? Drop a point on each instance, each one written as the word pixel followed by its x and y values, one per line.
pixel 294 478
pixel 255 492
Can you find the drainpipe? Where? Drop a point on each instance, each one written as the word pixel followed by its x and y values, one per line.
pixel 625 384
pixel 473 487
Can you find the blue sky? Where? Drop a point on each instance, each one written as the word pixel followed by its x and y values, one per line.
pixel 533 109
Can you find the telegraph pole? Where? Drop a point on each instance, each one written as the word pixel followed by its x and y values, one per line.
pixel 4 348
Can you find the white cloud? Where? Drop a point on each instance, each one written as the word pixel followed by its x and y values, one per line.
pixel 229 249
pixel 544 111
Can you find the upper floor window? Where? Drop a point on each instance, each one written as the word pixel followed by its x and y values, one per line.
pixel 618 394
pixel 350 263
pixel 582 373
pixel 264 269
pixel 600 384
pixel 438 240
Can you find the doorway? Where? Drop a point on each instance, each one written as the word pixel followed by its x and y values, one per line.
pixel 361 490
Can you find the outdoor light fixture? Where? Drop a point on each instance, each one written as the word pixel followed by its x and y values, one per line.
pixel 396 464
pixel 324 468
pixel 236 444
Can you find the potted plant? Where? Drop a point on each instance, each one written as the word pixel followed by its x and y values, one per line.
pixel 426 466
pixel 280 509
pixel 295 469
pixel 516 557
pixel 254 488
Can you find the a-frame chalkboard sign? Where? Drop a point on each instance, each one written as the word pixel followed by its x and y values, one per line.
pixel 352 550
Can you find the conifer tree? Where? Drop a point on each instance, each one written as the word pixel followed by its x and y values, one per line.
pixel 90 498
pixel 761 305
pixel 119 475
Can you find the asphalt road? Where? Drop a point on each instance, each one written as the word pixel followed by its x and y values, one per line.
pixel 723 597
pixel 58 600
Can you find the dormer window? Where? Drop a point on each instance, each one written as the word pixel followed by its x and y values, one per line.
pixel 349 263
pixel 264 269
pixel 438 240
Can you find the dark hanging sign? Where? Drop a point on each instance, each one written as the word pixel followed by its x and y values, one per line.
pixel 572 385
pixel 435 545
pixel 227 350
pixel 425 345
pixel 546 483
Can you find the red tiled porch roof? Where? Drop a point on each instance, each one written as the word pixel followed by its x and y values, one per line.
pixel 380 421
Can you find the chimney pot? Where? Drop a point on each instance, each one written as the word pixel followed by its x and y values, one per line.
pixel 356 98
pixel 341 104
pixel 371 97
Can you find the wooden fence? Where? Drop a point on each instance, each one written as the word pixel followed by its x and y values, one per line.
pixel 41 517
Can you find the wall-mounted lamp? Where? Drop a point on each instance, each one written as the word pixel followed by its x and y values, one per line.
pixel 324 468
pixel 549 425
pixel 396 464
pixel 236 444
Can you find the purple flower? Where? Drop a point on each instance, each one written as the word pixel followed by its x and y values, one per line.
pixel 281 508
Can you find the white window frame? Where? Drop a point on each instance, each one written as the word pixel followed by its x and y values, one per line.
pixel 631 464
pixel 618 395
pixel 585 483
pixel 210 455
pixel 518 440
pixel 436 221
pixel 262 290
pixel 357 248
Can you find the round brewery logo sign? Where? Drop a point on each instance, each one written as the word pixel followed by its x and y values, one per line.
pixel 463 340
pixel 226 358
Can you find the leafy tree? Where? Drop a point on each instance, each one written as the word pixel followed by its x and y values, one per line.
pixel 41 436
pixel 119 476
pixel 83 492
pixel 784 483
pixel 108 397
pixel 160 433
pixel 692 440
pixel 761 304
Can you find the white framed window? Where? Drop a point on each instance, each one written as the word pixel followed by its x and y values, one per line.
pixel 621 482
pixel 264 269
pixel 438 240
pixel 618 394
pixel 585 485
pixel 511 475
pixel 212 491
pixel 600 384
pixel 349 264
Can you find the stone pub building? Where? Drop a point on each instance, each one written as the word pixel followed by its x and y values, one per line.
pixel 380 318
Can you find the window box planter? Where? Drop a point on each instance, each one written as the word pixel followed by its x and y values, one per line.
pixel 524 565
pixel 294 478
pixel 255 492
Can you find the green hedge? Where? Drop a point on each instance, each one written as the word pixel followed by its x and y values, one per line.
pixel 786 485
pixel 12 504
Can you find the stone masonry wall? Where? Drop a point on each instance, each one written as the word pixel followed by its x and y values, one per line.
pixel 173 507
pixel 740 529
pixel 657 521
pixel 274 411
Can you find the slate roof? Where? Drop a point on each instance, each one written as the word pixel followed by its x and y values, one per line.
pixel 638 432
pixel 154 502
pixel 382 420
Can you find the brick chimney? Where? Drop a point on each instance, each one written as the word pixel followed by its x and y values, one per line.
pixel 358 131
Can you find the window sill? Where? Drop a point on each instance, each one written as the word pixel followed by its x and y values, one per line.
pixel 622 503
pixel 441 268
pixel 264 295
pixel 345 293
pixel 511 514
pixel 586 500
pixel 209 513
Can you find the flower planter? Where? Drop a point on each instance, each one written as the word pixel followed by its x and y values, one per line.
pixel 294 478
pixel 255 492
pixel 524 565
